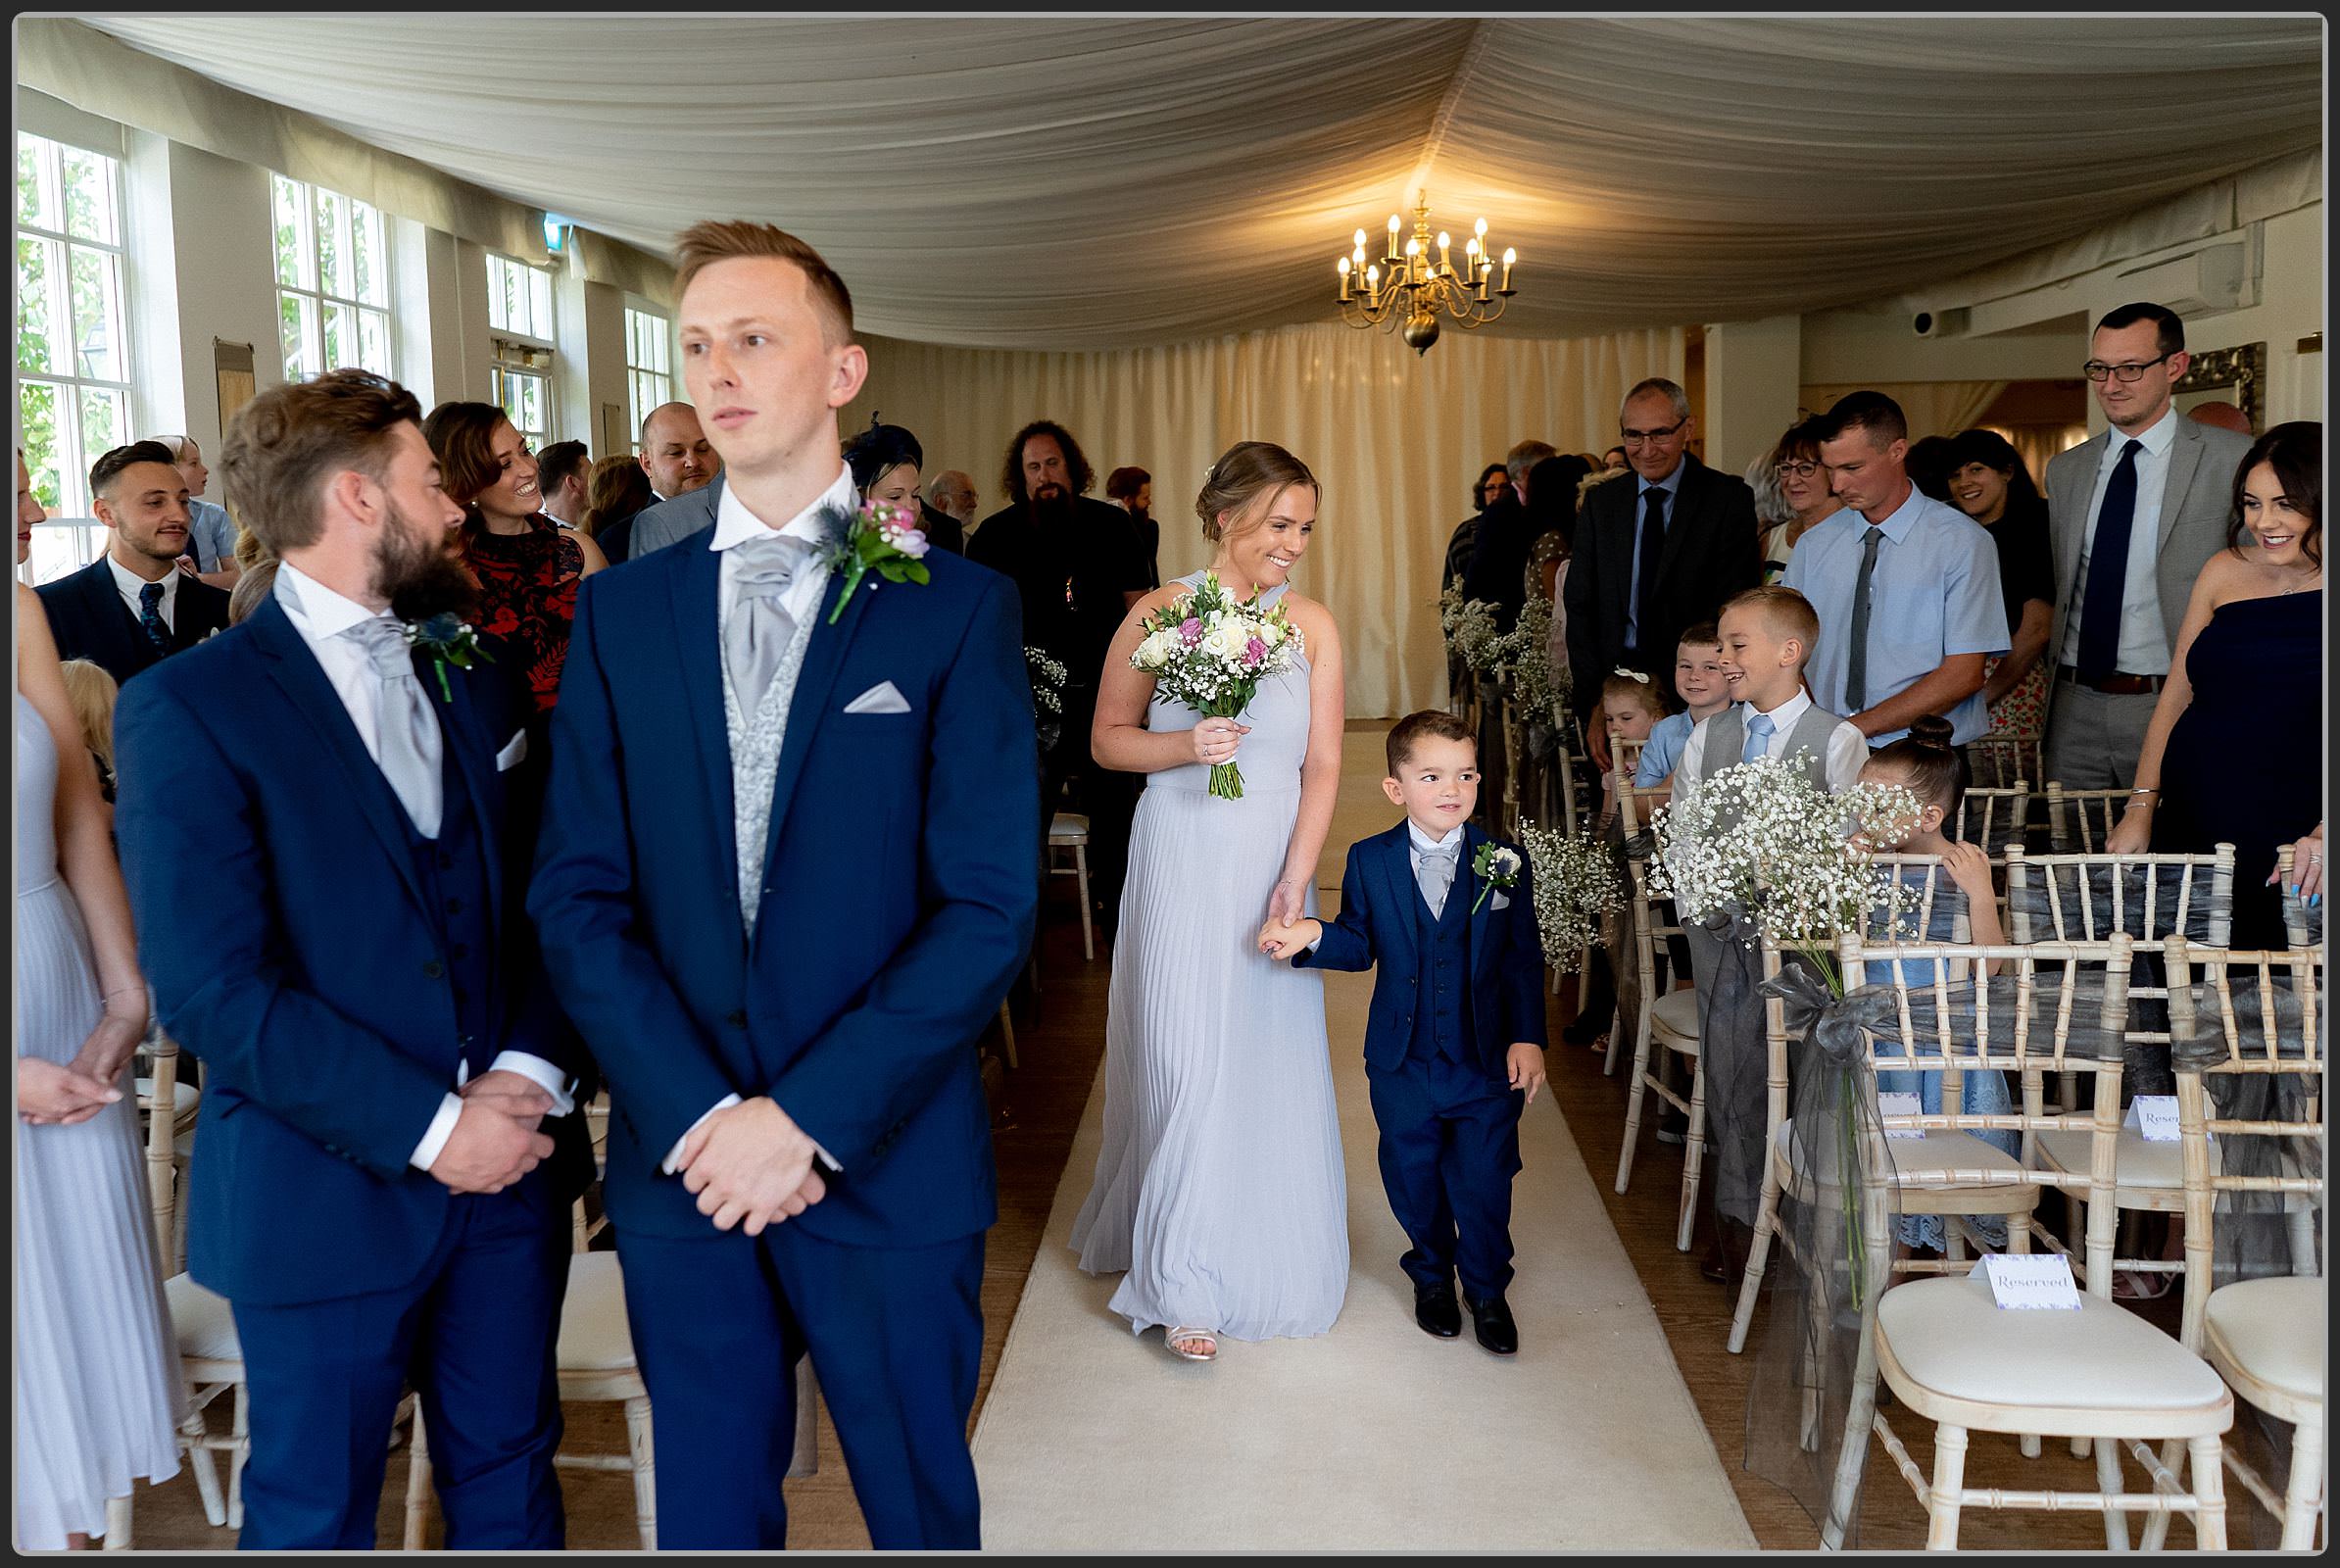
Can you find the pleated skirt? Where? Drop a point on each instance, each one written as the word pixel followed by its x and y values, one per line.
pixel 1219 1188
pixel 98 1395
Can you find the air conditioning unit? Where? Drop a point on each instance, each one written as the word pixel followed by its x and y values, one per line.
pixel 2203 282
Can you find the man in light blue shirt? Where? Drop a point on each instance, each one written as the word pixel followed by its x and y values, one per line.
pixel 1907 588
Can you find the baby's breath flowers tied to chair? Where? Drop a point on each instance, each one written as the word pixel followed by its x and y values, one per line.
pixel 1576 885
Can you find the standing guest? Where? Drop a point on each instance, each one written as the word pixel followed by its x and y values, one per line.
pixel 388 1130
pixel 789 869
pixel 560 476
pixel 92 693
pixel 212 533
pixel 1132 489
pixel 1802 482
pixel 2246 684
pixel 615 493
pixel 1656 554
pixel 1907 589
pixel 1929 466
pixel 885 459
pixel 1554 483
pixel 1492 489
pixel 2157 490
pixel 1076 563
pixel 954 493
pixel 1616 460
pixel 1990 484
pixel 98 1390
pixel 1506 538
pixel 132 607
pixel 685 471
pixel 528 568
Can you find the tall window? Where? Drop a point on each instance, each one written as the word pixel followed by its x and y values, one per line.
pixel 648 366
pixel 332 282
pixel 521 310
pixel 72 344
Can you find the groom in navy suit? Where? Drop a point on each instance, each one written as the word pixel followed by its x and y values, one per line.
pixel 387 1146
pixel 1454 1041
pixel 789 869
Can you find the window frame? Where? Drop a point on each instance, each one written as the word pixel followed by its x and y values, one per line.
pixel 643 379
pixel 319 294
pixel 523 350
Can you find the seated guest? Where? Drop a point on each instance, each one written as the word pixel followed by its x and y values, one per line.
pixel 92 692
pixel 885 461
pixel 953 492
pixel 561 474
pixel 615 493
pixel 1506 537
pixel 212 533
pixel 1132 490
pixel 528 568
pixel 1699 677
pixel 1802 483
pixel 685 473
pixel 1989 483
pixel 1907 588
pixel 132 607
pixel 1631 707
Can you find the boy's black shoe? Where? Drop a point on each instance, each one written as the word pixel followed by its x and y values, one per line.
pixel 1491 1320
pixel 1437 1311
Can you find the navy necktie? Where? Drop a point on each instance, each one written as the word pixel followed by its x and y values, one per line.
pixel 2108 570
pixel 150 616
pixel 1653 540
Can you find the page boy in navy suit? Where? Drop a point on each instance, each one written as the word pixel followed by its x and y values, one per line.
pixel 1454 1041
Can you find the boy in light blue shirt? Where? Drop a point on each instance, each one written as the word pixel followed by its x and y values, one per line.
pixel 1699 677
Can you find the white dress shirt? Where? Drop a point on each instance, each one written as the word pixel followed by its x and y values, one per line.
pixel 321 616
pixel 2144 639
pixel 1417 844
pixel 1848 748
pixel 129 585
pixel 735 525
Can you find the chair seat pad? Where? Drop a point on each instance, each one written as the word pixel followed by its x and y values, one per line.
pixel 1950 1337
pixel 594 1333
pixel 1678 1010
pixel 2271 1331
pixel 184 1096
pixel 203 1322
pixel 1945 1149
pixel 2137 1163
pixel 1068 827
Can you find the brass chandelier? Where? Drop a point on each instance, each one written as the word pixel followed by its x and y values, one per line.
pixel 1409 291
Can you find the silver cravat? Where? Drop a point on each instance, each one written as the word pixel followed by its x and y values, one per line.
pixel 760 628
pixel 410 746
pixel 1435 874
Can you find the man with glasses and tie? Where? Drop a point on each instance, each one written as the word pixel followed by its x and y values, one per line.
pixel 2133 514
pixel 1654 556
pixel 1907 588
pixel 388 1146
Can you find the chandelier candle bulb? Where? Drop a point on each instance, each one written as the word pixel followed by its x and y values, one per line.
pixel 1509 256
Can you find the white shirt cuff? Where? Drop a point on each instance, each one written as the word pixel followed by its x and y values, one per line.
pixel 673 1159
pixel 442 1128
pixel 1313 940
pixel 540 1072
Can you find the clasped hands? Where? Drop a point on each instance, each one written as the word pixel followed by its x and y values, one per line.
pixel 495 1142
pixel 750 1165
pixel 53 1093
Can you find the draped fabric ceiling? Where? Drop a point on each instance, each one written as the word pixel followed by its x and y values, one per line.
pixel 1104 182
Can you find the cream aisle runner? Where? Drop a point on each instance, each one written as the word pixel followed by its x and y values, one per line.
pixel 1375 1435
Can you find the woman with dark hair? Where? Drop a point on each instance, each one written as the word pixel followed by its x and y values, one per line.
pixel 616 489
pixel 2234 751
pixel 1990 484
pixel 1805 498
pixel 1492 489
pixel 528 566
pixel 886 460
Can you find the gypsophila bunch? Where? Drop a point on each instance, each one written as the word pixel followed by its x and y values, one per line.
pixel 1208 652
pixel 1762 839
pixel 1451 608
pixel 1048 677
pixel 1576 885
pixel 1475 637
pixel 1540 692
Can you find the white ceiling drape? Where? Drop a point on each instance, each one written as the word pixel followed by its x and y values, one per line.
pixel 1102 182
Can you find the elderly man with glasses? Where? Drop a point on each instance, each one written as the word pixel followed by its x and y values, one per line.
pixel 1654 556
pixel 2133 514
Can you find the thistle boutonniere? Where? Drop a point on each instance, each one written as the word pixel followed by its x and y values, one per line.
pixel 880 537
pixel 449 640
pixel 1495 867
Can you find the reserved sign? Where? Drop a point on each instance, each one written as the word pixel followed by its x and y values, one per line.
pixel 1900 1102
pixel 2029 1282
pixel 2155 1117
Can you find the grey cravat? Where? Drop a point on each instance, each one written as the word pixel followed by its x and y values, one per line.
pixel 410 745
pixel 760 628
pixel 1433 874
pixel 1856 659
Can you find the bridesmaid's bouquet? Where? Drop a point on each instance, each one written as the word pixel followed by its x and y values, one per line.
pixel 1209 654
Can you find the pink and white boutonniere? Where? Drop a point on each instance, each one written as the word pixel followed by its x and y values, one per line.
pixel 880 537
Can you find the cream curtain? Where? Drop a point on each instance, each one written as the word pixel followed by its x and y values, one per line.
pixel 2036 443
pixel 1395 440
pixel 1932 408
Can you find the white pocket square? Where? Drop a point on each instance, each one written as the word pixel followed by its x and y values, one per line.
pixel 879 699
pixel 514 750
pixel 1500 902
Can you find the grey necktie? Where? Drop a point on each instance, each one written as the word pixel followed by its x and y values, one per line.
pixel 1856 659
pixel 409 746
pixel 761 626
pixel 1433 874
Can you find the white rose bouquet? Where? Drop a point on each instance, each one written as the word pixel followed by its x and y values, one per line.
pixel 1209 653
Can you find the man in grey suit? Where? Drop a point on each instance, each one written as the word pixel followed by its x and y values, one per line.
pixel 686 474
pixel 2133 514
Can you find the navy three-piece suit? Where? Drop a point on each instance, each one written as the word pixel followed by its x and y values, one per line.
pixel 1451 994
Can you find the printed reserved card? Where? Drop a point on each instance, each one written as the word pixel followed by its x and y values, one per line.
pixel 2031 1282
pixel 1900 1102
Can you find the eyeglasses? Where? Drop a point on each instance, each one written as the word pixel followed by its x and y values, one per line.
pixel 1634 438
pixel 2097 369
pixel 1800 469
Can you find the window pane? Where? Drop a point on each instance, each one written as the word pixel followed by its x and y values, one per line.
pixel 36 415
pixel 97 314
pixel 89 196
pixel 373 341
pixel 540 303
pixel 332 255
pixel 298 332
pixel 34 352
pixel 105 420
pixel 366 252
pixel 341 337
pixel 31 209
pixel 499 295
pixel 295 265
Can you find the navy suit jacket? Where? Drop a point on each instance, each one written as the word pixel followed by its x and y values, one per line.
pixel 899 885
pixel 1379 930
pixel 89 620
pixel 291 953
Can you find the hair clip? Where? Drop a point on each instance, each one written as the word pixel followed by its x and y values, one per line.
pixel 1630 674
